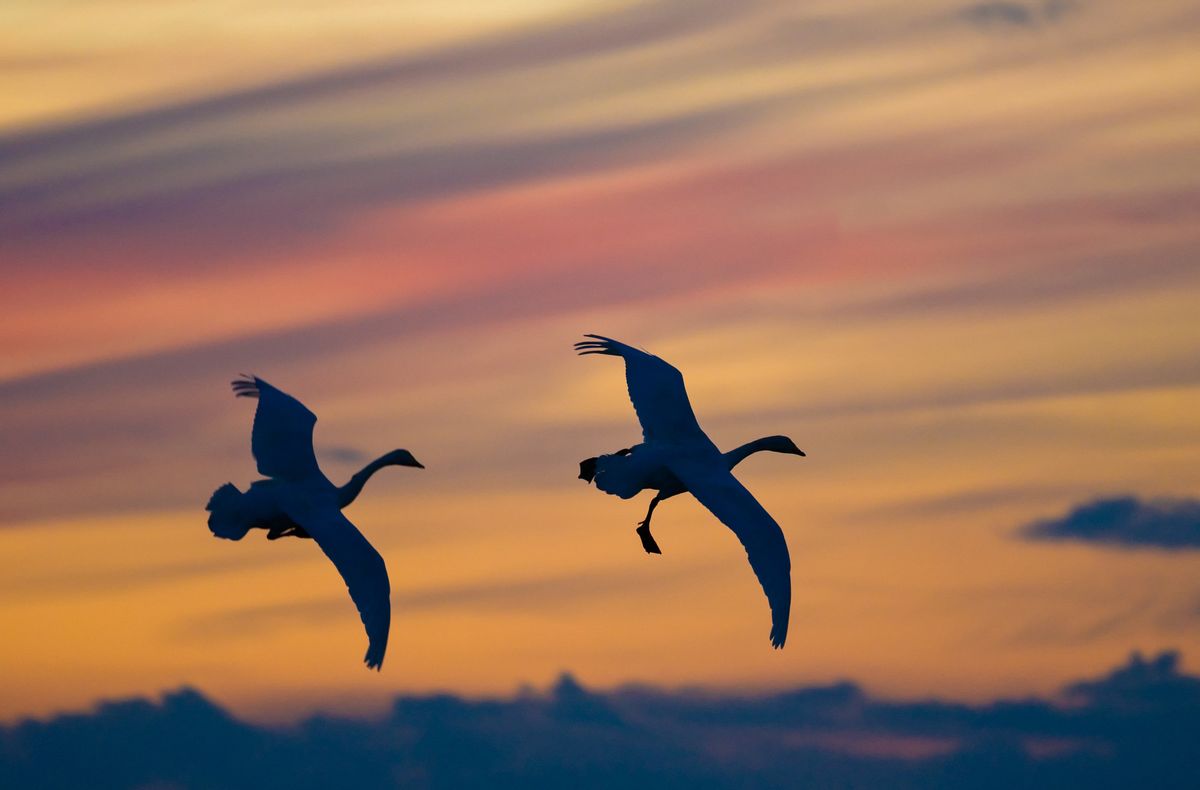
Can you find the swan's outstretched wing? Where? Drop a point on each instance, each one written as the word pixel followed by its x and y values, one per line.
pixel 719 491
pixel 282 440
pixel 359 563
pixel 655 387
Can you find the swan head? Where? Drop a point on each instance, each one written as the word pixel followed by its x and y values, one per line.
pixel 401 458
pixel 782 444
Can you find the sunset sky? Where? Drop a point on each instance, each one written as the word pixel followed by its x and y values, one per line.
pixel 950 248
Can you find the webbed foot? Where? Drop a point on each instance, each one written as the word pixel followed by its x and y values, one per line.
pixel 648 542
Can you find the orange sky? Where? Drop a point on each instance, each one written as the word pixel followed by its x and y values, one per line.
pixel 948 248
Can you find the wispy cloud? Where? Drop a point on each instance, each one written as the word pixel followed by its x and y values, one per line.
pixel 187 162
pixel 542 594
pixel 120 580
pixel 999 14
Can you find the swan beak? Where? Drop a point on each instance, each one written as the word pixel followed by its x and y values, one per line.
pixel 800 453
pixel 415 463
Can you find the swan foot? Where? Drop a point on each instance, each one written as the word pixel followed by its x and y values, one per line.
pixel 648 542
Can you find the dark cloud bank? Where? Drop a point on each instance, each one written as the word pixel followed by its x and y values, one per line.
pixel 1127 522
pixel 1135 727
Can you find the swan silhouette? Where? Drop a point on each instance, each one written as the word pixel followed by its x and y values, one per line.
pixel 676 456
pixel 297 500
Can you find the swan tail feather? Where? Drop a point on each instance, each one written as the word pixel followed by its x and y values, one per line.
pixel 619 474
pixel 226 519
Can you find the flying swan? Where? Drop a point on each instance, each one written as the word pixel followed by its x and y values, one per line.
pixel 297 500
pixel 676 456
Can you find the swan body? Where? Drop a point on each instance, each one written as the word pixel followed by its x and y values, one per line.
pixel 668 485
pixel 676 456
pixel 296 499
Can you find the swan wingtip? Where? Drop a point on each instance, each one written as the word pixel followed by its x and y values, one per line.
pixel 246 387
pixel 372 660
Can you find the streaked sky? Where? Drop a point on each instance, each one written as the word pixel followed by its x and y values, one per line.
pixel 949 248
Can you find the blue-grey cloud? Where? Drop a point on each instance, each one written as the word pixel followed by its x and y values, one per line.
pixel 1140 684
pixel 344 455
pixel 1002 14
pixel 1127 522
pixel 289 199
pixel 1131 728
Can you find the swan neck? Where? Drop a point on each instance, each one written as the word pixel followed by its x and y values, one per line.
pixel 739 454
pixel 349 492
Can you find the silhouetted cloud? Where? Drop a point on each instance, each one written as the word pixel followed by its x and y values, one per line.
pixel 1131 728
pixel 1141 684
pixel 1126 521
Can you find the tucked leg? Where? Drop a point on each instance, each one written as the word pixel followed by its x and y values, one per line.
pixel 643 530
